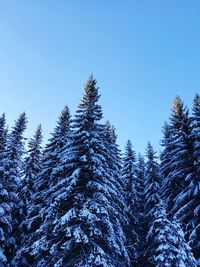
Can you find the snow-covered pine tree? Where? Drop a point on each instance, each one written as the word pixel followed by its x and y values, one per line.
pixel 82 225
pixel 165 156
pixel 140 170
pixel 133 198
pixel 181 156
pixel 53 149
pixel 43 187
pixel 50 160
pixel 113 165
pixel 195 133
pixel 112 155
pixel 3 134
pixel 166 244
pixel 112 151
pixel 3 144
pixel 151 197
pixel 141 226
pixel 152 180
pixel 175 184
pixel 3 192
pixel 129 169
pixel 192 192
pixel 31 168
pixel 10 182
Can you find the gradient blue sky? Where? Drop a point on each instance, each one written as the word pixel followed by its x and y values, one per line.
pixel 142 54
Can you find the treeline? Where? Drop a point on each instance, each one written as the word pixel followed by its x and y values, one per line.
pixel 79 202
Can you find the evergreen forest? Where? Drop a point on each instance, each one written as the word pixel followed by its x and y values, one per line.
pixel 79 201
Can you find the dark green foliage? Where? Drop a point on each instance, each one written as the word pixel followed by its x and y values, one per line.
pixel 181 159
pixel 41 189
pixel 132 189
pixel 152 180
pixel 10 202
pixel 166 243
pixel 32 166
pixel 81 219
pixel 192 192
pixel 79 203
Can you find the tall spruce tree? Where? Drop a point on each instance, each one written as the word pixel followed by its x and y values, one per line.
pixel 31 168
pixel 82 224
pixel 10 183
pixel 151 197
pixel 129 169
pixel 3 144
pixel 129 174
pixel 112 151
pixel 166 154
pixel 79 203
pixel 181 160
pixel 53 149
pixel 192 192
pixel 3 134
pixel 43 187
pixel 141 226
pixel 113 167
pixel 166 244
pixel 152 180
pixel 3 192
pixel 140 171
pixel 50 161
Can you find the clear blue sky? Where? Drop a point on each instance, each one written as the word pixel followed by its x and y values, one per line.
pixel 141 52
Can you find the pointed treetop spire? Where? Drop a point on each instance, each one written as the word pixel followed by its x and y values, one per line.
pixel 37 138
pixel 196 103
pixel 20 124
pixel 178 105
pixel 63 124
pixel 89 109
pixel 3 132
pixel 2 119
pixel 140 159
pixel 110 130
pixel 91 91
pixel 150 153
pixel 38 132
pixel 129 152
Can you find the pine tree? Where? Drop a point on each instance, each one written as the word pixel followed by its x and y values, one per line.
pixel 132 186
pixel 165 157
pixel 140 170
pixel 152 180
pixel 31 168
pixel 141 226
pixel 112 151
pixel 3 133
pixel 166 244
pixel 3 144
pixel 49 162
pixel 113 167
pixel 181 161
pixel 81 226
pixel 192 192
pixel 3 192
pixel 43 184
pixel 151 197
pixel 10 213
pixel 129 168
pixel 53 148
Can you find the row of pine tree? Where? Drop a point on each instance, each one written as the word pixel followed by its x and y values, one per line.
pixel 78 202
